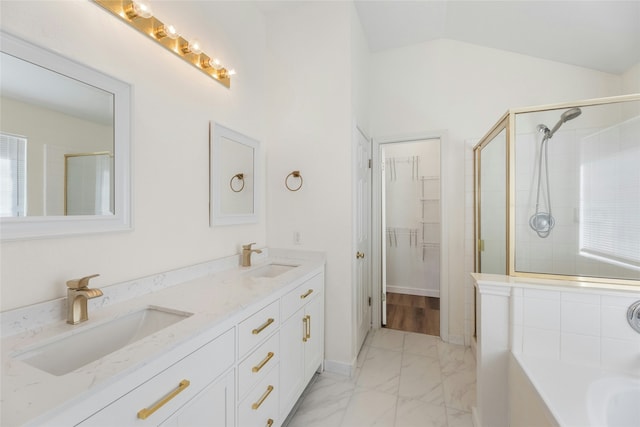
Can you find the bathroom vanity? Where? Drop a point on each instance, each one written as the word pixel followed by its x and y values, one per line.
pixel 237 348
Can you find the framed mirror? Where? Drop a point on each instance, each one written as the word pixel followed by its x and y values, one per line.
pixel 64 138
pixel 233 174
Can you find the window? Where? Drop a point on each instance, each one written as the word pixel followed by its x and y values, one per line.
pixel 610 184
pixel 13 175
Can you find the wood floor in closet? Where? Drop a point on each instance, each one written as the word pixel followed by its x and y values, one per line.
pixel 413 313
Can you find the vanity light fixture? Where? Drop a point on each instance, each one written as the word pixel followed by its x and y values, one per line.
pixel 138 14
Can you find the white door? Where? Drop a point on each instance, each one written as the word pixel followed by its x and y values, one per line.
pixel 362 233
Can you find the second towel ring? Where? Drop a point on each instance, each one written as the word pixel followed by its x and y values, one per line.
pixel 295 174
pixel 239 177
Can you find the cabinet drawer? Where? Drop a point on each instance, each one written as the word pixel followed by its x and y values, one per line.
pixel 302 294
pixel 260 407
pixel 166 392
pixel 258 364
pixel 258 327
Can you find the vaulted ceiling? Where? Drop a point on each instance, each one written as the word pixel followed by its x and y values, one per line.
pixel 601 35
pixel 597 34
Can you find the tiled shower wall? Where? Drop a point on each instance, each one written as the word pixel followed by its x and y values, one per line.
pixel 593 174
pixel 582 326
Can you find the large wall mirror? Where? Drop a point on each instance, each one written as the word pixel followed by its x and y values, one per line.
pixel 64 145
pixel 234 172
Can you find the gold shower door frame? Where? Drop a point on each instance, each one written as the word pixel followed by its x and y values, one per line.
pixel 507 121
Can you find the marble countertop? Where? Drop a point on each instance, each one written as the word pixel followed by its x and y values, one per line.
pixel 216 301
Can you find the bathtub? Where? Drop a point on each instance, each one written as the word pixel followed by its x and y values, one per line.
pixel 574 395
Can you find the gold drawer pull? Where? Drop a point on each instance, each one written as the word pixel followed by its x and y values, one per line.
pixel 306 294
pixel 262 399
pixel 264 362
pixel 269 422
pixel 145 413
pixel 263 326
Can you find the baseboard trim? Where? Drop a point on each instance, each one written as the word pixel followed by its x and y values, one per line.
pixel 474 417
pixel 339 368
pixel 413 291
pixel 455 339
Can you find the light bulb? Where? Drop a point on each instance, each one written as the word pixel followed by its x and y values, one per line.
pixel 231 72
pixel 139 9
pixel 191 47
pixel 194 47
pixel 166 30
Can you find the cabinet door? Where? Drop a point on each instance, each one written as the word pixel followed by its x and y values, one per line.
pixel 214 406
pixel 291 360
pixel 314 344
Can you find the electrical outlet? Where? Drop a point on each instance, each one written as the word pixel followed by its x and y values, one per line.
pixel 296 238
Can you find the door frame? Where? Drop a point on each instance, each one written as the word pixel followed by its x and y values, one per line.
pixel 377 237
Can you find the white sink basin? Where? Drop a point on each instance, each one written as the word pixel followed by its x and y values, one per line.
pixel 65 354
pixel 271 270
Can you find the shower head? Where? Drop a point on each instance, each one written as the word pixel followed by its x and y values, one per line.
pixel 570 114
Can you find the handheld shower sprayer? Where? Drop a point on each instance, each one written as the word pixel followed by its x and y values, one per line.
pixel 570 114
pixel 542 222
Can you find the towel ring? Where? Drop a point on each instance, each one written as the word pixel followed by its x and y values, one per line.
pixel 239 177
pixel 295 174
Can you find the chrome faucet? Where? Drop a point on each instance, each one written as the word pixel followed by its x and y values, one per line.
pixel 246 254
pixel 78 293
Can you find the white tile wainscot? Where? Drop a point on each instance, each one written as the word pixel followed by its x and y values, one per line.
pixel 208 348
pixel 576 329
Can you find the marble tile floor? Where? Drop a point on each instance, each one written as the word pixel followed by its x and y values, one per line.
pixel 402 379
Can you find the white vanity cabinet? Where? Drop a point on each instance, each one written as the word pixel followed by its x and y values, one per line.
pixel 301 339
pixel 244 370
pixel 259 353
pixel 170 392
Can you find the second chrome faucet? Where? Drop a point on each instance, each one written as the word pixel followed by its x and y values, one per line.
pixel 246 254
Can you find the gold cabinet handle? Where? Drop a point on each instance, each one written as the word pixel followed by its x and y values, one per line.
pixel 359 255
pixel 306 294
pixel 263 398
pixel 306 327
pixel 306 322
pixel 145 413
pixel 263 326
pixel 264 362
pixel 269 422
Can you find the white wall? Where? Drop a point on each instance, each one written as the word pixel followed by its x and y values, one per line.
pixel 631 80
pixel 309 129
pixel 463 88
pixel 172 106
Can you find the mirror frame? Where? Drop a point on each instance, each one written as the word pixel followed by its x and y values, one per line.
pixel 14 228
pixel 216 132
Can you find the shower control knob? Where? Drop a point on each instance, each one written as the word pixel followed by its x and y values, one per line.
pixel 633 316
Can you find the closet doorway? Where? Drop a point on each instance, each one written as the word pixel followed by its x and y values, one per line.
pixel 411 231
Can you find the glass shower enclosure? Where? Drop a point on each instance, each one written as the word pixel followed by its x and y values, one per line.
pixel 557 192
